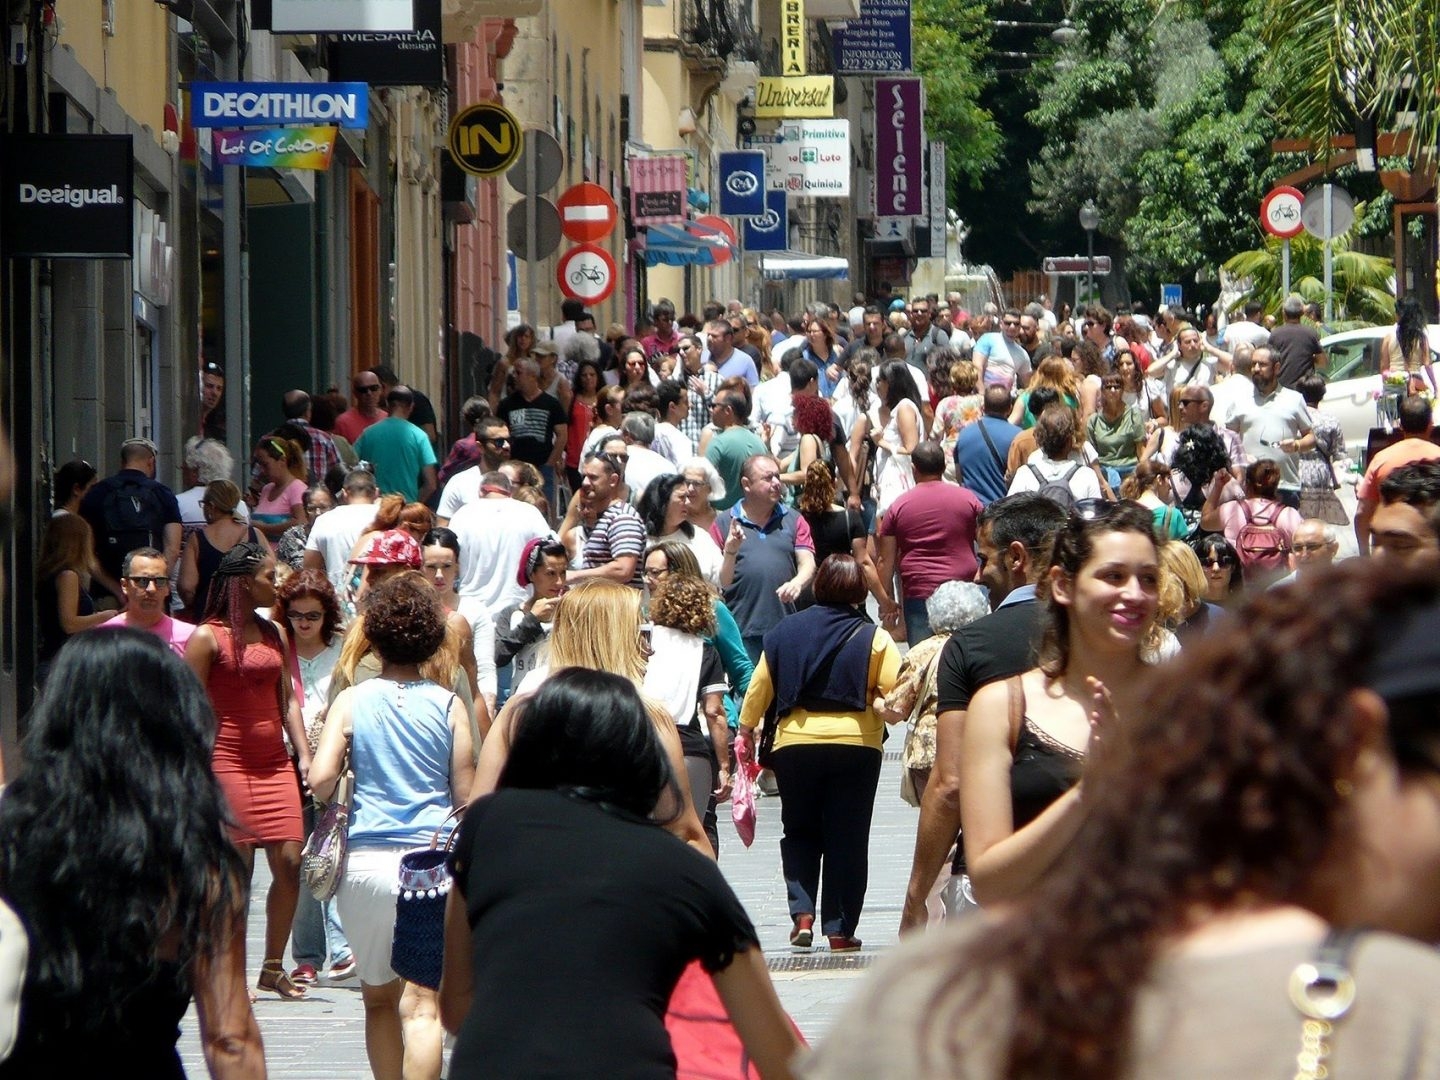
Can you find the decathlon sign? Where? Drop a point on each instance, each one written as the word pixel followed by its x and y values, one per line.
pixel 268 104
pixel 67 197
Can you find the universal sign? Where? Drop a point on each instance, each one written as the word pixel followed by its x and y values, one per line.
pixel 798 96
pixel 265 104
pixel 67 197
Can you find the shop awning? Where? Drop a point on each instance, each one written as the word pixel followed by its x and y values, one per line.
pixel 690 244
pixel 792 265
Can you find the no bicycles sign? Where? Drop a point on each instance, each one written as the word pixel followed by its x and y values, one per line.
pixel 1280 212
pixel 586 273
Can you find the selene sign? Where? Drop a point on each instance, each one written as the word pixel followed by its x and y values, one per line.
pixel 67 197
pixel 899 148
pixel 249 104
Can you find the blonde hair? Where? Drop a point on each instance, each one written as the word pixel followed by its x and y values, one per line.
pixel 597 626
pixel 1182 581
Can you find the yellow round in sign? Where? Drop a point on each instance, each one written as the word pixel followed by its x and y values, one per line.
pixel 485 139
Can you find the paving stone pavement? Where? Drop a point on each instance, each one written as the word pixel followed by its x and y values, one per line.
pixel 323 1037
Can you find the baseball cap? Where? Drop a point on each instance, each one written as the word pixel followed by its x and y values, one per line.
pixel 394 547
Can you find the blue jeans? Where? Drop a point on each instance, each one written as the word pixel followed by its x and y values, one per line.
pixel 917 623
pixel 316 931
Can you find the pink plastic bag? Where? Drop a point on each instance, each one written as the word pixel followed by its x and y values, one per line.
pixel 742 796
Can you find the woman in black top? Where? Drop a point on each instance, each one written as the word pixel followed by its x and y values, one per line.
pixel 574 912
pixel 1025 738
pixel 836 530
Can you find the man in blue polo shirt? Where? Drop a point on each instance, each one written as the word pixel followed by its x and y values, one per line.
pixel 981 448
pixel 769 553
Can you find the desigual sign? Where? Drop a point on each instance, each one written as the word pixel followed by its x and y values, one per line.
pixel 67 197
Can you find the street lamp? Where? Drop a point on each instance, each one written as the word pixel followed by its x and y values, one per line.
pixel 1089 221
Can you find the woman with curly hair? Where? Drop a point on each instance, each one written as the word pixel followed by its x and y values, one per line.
pixel 306 602
pixel 814 422
pixel 1025 738
pixel 1239 828
pixel 836 530
pixel 113 850
pixel 684 673
pixel 408 743
pixel 242 661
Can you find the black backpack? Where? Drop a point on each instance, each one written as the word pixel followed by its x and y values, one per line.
pixel 129 511
pixel 1057 490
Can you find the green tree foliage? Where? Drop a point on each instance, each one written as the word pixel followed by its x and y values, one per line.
pixel 1361 282
pixel 1163 117
pixel 949 42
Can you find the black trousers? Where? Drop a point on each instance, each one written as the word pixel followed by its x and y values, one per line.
pixel 827 798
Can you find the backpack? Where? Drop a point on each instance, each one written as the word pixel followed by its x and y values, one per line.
pixel 1260 544
pixel 130 511
pixel 1057 490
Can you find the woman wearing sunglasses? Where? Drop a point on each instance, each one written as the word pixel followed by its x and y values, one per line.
pixel 1025 738
pixel 1224 577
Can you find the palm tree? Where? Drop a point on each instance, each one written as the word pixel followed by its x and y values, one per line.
pixel 1339 59
pixel 1360 283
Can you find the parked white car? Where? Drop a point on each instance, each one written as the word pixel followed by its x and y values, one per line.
pixel 1353 373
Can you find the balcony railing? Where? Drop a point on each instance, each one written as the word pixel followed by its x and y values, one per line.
pixel 724 29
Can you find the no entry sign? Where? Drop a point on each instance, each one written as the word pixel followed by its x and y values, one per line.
pixel 586 273
pixel 587 213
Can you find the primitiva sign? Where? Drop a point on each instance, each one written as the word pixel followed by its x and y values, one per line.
pixel 67 197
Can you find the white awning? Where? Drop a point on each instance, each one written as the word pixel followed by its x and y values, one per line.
pixel 790 265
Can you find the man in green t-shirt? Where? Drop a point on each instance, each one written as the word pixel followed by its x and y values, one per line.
pixel 399 452
pixel 733 444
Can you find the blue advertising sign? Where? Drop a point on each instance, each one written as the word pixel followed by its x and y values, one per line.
pixel 742 183
pixel 232 105
pixel 768 231
pixel 878 42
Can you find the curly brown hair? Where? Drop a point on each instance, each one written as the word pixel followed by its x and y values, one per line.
pixel 683 603
pixel 812 416
pixel 404 619
pixel 817 494
pixel 1221 794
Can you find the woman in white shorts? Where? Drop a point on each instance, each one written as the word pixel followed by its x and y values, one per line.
pixel 410 751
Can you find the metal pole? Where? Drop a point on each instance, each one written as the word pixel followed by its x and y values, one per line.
pixel 531 229
pixel 1284 269
pixel 1329 225
pixel 1089 265
pixel 237 413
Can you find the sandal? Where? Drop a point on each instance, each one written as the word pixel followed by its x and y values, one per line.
pixel 274 978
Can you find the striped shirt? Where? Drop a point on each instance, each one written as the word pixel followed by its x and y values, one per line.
pixel 618 532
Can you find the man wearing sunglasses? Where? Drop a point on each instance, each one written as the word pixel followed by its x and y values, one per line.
pixel 147 600
pixel 492 438
pixel 367 410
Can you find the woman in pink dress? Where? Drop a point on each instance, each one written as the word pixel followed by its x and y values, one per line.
pixel 241 660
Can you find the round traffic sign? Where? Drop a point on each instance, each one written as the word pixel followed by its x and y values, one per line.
pixel 721 255
pixel 1342 211
pixel 587 213
pixel 586 273
pixel 547 228
pixel 1280 212
pixel 541 160
pixel 485 139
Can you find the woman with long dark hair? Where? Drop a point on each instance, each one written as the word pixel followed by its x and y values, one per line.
pixel 409 746
pixel 1026 737
pixel 665 507
pixel 588 383
pixel 1277 789
pixel 896 428
pixel 241 659
pixel 1224 576
pixel 113 851
pixel 586 784
pixel 1408 349
pixel 815 688
pixel 62 589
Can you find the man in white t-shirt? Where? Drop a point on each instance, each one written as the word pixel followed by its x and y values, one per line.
pixel 1274 424
pixel 335 532
pixel 492 435
pixel 493 530
pixel 1189 365
pixel 1248 329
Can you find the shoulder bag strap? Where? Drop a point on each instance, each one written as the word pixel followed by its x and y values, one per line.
pixel 990 444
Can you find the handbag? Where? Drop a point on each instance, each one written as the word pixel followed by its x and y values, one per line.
pixel 322 859
pixel 417 948
pixel 742 799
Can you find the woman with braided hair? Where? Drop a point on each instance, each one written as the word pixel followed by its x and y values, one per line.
pixel 242 660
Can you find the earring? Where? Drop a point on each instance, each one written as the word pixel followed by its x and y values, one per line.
pixel 1344 788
